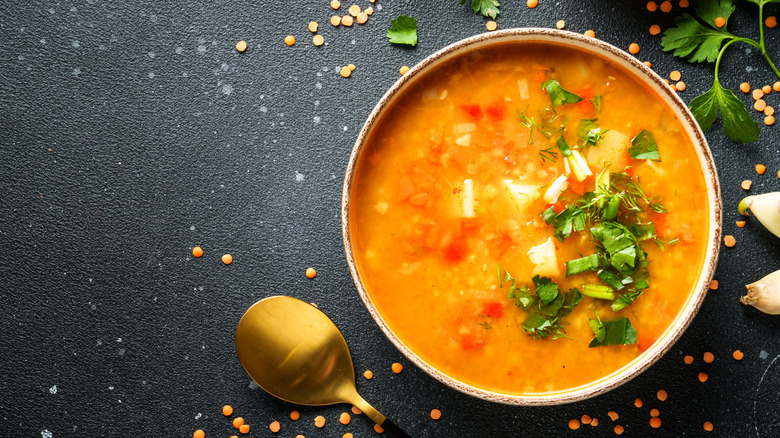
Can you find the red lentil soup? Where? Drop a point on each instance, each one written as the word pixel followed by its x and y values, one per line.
pixel 498 173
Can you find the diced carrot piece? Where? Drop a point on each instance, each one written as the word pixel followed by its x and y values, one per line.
pixel 455 252
pixel 405 188
pixel 496 111
pixel 471 342
pixel 474 111
pixel 493 309
pixel 577 187
pixel 645 341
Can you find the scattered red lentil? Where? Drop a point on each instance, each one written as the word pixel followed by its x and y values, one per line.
pixel 740 224
pixel 296 436
pixel 532 3
pixel 560 24
pixel 595 422
pixel 652 6
pixel 311 272
pixel 404 69
pixel 275 426
pixel 666 6
pixel 354 10
pixel 769 111
pixel 234 436
pixel 776 86
pixel 655 29
pixel 244 428
pixel 574 424
pixel 638 403
pixel 345 72
pixel 351 67
pixel 648 64
pixel 766 89
pixel 613 415
pixel 758 94
pixel 745 87
pixel 369 11
pixel 238 422
pixel 362 18
pixel 654 412
pixel 199 434
pixel 295 415
pixel 688 360
pixel 319 421
pixel 586 419
pixel 720 22
pixel 769 120
pixel 684 3
pixel 746 184
pixel 227 410
pixel 633 48
pixel 347 435
pixel 703 377
pixel 335 20
pixel 655 422
pixel 313 26
pixel 771 21
pixel 318 40
pixel 435 414
pixel 618 430
pixel 675 75
pixel 356 410
pixel 347 20
pixel 738 355
pixel 708 426
pixel 680 86
pixel 491 25
pixel 227 259
pixel 729 240
pixel 590 33
pixel 289 40
pixel 335 4
pixel 368 374
pixel 760 105
pixel 344 418
pixel 760 169
pixel 662 395
pixel 241 46
pixel 197 251
pixel 708 357
pixel 378 428
pixel 397 367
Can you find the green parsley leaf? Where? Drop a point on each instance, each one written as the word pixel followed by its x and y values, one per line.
pixel 403 30
pixel 559 96
pixel 738 125
pixel 612 280
pixel 537 326
pixel 546 290
pixel 692 40
pixel 488 8
pixel 570 301
pixel 583 264
pixel 625 300
pixel 615 332
pixel 709 10
pixel 523 297
pixel 644 147
pixel 572 219
pixel 589 133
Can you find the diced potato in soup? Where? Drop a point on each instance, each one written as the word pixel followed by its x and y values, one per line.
pixel 490 251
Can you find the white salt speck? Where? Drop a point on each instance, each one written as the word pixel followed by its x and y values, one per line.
pixel 763 354
pixel 253 385
pixel 316 103
pixel 353 42
pixel 102 47
pixel 152 54
pixel 378 8
pixel 45 432
pixel 748 51
pixel 99 342
pixel 227 89
pixel 43 40
pixel 192 228
pixel 299 176
pixel 224 66
pixel 20 57
pixel 53 389
pixel 179 50
pixel 319 74
pixel 748 69
pixel 197 417
pixel 76 44
pixel 51 11
pixel 263 109
pixel 317 119
pixel 93 307
pixel 325 69
pixel 202 49
pixel 153 18
pixel 318 85
pixel 344 128
pixel 76 71
pixel 121 352
pixel 119 339
pixel 151 75
pixel 185 74
pixel 110 388
pixel 73 9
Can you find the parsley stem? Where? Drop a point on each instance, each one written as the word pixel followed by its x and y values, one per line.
pixel 763 44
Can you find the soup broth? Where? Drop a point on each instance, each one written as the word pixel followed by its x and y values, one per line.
pixel 460 206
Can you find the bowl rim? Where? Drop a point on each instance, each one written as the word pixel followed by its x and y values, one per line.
pixel 641 72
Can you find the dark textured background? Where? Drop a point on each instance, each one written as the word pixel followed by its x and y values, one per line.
pixel 132 131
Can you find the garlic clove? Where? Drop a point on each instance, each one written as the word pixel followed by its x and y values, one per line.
pixel 764 294
pixel 766 208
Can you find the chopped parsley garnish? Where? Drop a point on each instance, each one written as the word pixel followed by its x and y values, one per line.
pixel 488 8
pixel 583 264
pixel 614 332
pixel 596 101
pixel 559 96
pixel 403 30
pixel 644 147
pixel 589 133
pixel 530 123
pixel 701 40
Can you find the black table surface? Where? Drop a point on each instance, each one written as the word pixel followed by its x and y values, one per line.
pixel 132 131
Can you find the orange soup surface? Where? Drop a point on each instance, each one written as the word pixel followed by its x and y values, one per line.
pixel 499 173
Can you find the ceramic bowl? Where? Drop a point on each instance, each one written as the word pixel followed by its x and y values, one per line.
pixel 642 73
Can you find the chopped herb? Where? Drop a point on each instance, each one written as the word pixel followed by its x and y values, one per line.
pixel 485 325
pixel 644 147
pixel 403 30
pixel 589 133
pixel 549 154
pixel 625 300
pixel 530 123
pixel 578 266
pixel 571 219
pixel 615 332
pixel 570 301
pixel 488 8
pixel 613 280
pixel 546 290
pixel 559 96
pixel 563 146
pixel 643 231
pixel 596 101
pixel 598 291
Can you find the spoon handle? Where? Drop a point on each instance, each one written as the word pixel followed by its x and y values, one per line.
pixel 393 431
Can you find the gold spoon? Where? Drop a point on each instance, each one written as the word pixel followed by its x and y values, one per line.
pixel 296 353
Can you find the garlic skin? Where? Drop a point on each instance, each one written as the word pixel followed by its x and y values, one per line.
pixel 766 208
pixel 764 294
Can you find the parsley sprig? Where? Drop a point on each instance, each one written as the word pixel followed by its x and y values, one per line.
pixel 698 39
pixel 403 30
pixel 488 8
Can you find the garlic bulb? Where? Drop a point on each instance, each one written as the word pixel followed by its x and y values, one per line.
pixel 766 208
pixel 764 294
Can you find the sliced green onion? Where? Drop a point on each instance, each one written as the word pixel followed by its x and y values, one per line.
pixel 578 266
pixel 598 291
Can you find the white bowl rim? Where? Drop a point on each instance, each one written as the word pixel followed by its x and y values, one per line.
pixel 641 72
